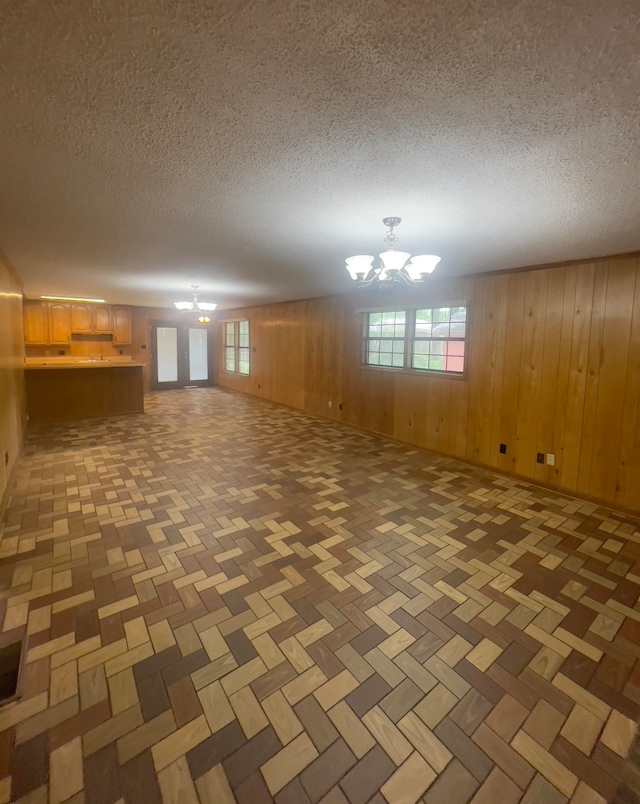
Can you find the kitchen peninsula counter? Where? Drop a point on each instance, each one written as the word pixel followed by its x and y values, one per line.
pixel 60 391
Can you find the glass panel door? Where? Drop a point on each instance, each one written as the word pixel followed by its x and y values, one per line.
pixel 198 358
pixel 167 354
pixel 180 355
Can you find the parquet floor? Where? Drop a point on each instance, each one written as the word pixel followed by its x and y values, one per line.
pixel 226 600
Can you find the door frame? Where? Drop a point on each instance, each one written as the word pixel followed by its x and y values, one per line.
pixel 183 380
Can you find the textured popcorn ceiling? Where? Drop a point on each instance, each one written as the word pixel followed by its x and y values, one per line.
pixel 250 147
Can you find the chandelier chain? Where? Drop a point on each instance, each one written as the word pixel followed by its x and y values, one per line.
pixel 391 238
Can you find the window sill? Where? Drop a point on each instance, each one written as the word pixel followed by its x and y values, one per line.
pixel 448 375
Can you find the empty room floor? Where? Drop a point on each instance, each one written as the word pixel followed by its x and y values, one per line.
pixel 227 600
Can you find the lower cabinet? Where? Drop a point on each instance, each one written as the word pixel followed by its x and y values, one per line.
pixel 66 393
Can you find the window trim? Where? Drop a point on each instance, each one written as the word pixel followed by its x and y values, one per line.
pixel 410 337
pixel 236 345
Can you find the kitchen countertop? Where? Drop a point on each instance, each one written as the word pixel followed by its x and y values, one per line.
pixel 90 364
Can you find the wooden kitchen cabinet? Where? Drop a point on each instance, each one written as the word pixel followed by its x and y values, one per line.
pixel 102 320
pixel 90 319
pixel 59 323
pixel 121 325
pixel 81 318
pixel 36 323
pixel 53 323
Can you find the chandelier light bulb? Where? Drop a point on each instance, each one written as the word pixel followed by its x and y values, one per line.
pixel 392 261
pixel 421 264
pixel 359 265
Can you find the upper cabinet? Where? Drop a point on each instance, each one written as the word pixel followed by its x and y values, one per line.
pixel 90 319
pixel 59 323
pixel 121 325
pixel 102 320
pixel 53 323
pixel 36 323
pixel 81 318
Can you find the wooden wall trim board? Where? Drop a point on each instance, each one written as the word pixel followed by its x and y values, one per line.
pixel 554 367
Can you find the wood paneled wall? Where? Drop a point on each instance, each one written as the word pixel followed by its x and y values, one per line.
pixel 553 367
pixel 12 396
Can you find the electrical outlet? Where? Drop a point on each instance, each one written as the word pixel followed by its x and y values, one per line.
pixel 330 403
pixel 551 459
pixel 6 458
pixel 503 449
pixel 540 457
pixel 340 406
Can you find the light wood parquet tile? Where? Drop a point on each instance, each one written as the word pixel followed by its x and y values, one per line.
pixel 308 613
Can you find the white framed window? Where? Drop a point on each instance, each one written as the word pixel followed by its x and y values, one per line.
pixel 429 339
pixel 385 338
pixel 236 346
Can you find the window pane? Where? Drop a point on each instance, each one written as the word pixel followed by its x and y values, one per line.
pixel 230 358
pixel 243 333
pixel 423 323
pixel 455 356
pixel 230 330
pixel 394 324
pixel 167 340
pixel 243 360
pixel 386 359
pixel 198 364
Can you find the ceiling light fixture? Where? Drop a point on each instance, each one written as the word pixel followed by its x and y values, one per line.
pixel 394 266
pixel 196 307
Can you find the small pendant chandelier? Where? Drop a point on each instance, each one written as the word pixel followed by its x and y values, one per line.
pixel 394 268
pixel 196 307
